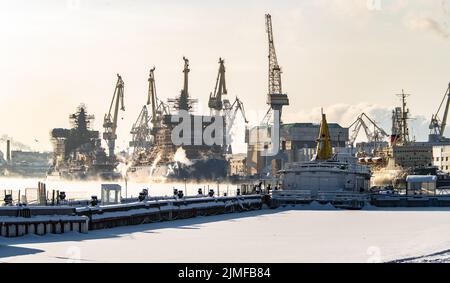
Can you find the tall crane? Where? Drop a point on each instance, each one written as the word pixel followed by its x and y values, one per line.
pixel 215 99
pixel 141 131
pixel 437 126
pixel 275 97
pixel 220 105
pixel 377 135
pixel 183 102
pixel 151 99
pixel 230 112
pixel 141 134
pixel 110 120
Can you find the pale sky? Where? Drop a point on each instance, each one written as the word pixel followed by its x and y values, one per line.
pixel 346 56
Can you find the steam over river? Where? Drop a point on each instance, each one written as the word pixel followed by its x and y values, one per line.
pixel 86 189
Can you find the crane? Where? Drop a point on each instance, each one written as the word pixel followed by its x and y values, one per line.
pixel 183 102
pixel 141 130
pixel 110 120
pixel 141 136
pixel 376 136
pixel 220 105
pixel 437 126
pixel 230 112
pixel 215 99
pixel 275 98
pixel 151 99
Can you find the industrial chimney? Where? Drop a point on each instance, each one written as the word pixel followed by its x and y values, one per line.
pixel 8 151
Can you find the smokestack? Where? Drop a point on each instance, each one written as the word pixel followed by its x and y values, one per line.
pixel 8 151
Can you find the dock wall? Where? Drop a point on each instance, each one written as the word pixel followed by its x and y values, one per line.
pixel 110 216
pixel 40 220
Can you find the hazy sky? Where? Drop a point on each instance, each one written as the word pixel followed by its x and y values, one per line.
pixel 346 56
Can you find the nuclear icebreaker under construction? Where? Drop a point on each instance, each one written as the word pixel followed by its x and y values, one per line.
pixel 156 155
pixel 78 153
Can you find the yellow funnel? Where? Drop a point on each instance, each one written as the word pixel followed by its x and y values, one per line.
pixel 324 148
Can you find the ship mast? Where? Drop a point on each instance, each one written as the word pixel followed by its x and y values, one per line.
pixel 404 118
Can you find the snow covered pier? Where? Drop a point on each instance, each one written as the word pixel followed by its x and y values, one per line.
pixel 16 221
pixel 392 200
pixel 109 216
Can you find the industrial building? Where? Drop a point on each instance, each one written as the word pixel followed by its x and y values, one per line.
pixel 413 155
pixel 298 142
pixel 237 165
pixel 441 157
pixel 24 163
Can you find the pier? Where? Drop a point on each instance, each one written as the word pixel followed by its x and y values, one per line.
pixel 18 221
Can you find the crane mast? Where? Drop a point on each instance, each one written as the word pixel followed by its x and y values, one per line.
pixel 437 127
pixel 276 98
pixel 110 120
pixel 152 97
pixel 183 103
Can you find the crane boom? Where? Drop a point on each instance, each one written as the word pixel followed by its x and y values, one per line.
pixel 275 72
pixel 110 120
pixel 376 136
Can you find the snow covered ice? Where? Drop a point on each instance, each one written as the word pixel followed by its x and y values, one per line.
pixel 283 235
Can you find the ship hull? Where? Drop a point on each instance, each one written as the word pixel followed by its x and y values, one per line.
pixel 197 170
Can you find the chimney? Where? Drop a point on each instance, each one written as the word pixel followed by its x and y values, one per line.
pixel 8 151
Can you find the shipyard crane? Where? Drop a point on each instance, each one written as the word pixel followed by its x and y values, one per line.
pixel 377 135
pixel 232 110
pixel 151 99
pixel 215 99
pixel 220 105
pixel 275 97
pixel 218 102
pixel 437 126
pixel 141 135
pixel 110 120
pixel 159 108
pixel 141 131
pixel 183 102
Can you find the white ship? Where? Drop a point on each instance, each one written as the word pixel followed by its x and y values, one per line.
pixel 328 178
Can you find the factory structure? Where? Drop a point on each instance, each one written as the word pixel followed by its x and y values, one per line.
pixel 20 162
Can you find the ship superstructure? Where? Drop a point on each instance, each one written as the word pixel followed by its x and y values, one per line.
pixel 78 153
pixel 326 171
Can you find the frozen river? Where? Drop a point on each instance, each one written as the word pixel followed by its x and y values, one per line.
pixel 298 235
